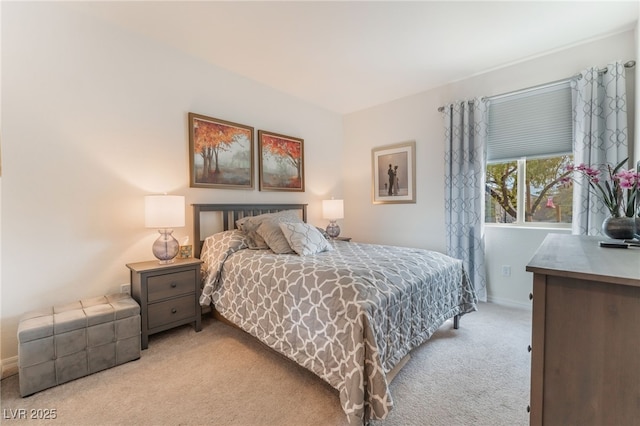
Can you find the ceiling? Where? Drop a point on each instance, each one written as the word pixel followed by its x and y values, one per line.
pixel 347 56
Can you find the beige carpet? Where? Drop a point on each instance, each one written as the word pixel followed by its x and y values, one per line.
pixel 477 375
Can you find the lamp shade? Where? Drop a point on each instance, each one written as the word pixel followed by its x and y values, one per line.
pixel 332 209
pixel 164 211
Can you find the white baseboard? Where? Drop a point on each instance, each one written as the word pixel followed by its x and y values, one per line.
pixel 9 366
pixel 508 302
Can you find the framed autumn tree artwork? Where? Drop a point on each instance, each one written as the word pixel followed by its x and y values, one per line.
pixel 220 153
pixel 281 162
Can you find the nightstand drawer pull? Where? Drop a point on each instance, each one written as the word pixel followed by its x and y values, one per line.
pixel 166 286
pixel 174 310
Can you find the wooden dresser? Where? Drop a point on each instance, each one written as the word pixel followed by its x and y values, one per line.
pixel 585 350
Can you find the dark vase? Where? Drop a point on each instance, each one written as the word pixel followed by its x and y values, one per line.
pixel 619 228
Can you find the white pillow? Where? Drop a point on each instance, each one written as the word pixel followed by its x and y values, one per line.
pixel 304 239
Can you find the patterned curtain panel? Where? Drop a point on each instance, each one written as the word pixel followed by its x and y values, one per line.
pixel 465 158
pixel 600 137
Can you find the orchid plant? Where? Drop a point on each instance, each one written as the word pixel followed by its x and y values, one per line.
pixel 618 190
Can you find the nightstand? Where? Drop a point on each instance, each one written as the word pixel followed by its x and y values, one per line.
pixel 168 295
pixel 347 239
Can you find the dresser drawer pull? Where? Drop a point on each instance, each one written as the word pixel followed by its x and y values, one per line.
pixel 530 296
pixel 174 310
pixel 174 285
pixel 528 408
pixel 529 348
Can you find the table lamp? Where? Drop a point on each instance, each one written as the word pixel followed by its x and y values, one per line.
pixel 164 212
pixel 333 210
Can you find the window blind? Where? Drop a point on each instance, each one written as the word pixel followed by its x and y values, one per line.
pixel 532 123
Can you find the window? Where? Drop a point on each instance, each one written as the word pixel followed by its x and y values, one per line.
pixel 528 149
pixel 540 198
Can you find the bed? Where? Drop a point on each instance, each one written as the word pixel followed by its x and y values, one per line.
pixel 348 312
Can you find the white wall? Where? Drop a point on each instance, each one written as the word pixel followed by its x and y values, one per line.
pixel 94 118
pixel 416 118
pixel 513 248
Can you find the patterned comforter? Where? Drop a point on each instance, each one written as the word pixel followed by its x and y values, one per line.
pixel 349 315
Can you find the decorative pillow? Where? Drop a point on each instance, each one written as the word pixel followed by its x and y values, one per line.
pixel 250 224
pixel 256 242
pixel 271 233
pixel 305 239
pixel 323 232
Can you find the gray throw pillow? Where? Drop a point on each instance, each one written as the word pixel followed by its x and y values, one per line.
pixel 249 225
pixel 270 231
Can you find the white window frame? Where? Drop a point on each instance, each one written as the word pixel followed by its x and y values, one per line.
pixel 520 216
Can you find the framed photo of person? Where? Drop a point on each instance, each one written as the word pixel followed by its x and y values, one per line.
pixel 394 173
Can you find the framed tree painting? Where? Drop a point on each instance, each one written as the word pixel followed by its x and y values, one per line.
pixel 220 153
pixel 281 162
pixel 394 173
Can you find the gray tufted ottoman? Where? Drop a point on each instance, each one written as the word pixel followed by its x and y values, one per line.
pixel 66 342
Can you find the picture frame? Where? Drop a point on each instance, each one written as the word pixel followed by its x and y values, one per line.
pixel 394 173
pixel 220 153
pixel 280 162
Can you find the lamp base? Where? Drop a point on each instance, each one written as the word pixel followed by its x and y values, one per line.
pixel 333 230
pixel 166 247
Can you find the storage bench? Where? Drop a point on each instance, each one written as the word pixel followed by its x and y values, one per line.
pixel 63 343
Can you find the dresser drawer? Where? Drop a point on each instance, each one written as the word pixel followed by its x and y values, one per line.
pixel 163 313
pixel 161 287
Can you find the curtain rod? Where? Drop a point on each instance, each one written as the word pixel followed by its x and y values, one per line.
pixel 628 64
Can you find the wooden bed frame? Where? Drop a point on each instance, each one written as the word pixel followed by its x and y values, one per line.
pixel 232 212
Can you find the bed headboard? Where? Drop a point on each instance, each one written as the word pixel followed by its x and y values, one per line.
pixel 232 212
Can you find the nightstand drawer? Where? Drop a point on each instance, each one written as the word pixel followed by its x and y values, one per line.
pixel 173 310
pixel 170 285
